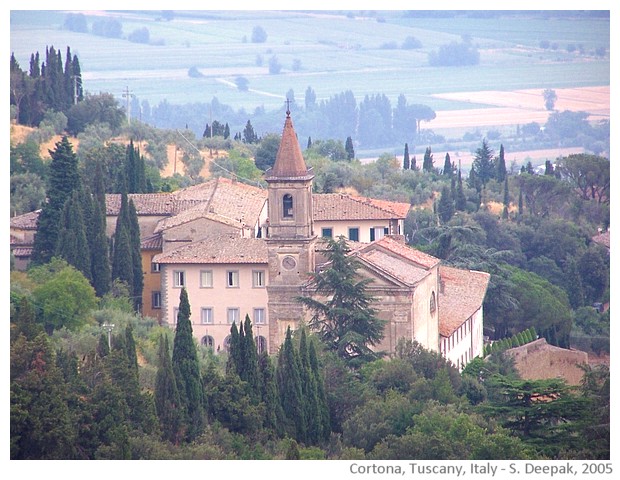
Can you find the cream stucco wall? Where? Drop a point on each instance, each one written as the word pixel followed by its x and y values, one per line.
pixel 219 298
pixel 465 343
pixel 341 227
pixel 425 322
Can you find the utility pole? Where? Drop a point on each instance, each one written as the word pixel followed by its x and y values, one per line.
pixel 128 95
pixel 109 327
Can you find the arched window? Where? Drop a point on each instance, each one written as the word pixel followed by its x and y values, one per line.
pixel 287 206
pixel 208 341
pixel 433 305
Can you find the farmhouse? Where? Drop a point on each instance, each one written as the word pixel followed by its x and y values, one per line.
pixel 243 250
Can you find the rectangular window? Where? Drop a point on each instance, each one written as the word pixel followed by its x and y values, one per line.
pixel 258 278
pixel 377 233
pixel 155 267
pixel 206 278
pixel 354 234
pixel 232 315
pixel 259 316
pixel 327 232
pixel 206 315
pixel 232 279
pixel 178 278
pixel 156 300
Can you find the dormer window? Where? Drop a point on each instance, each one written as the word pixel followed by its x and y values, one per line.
pixel 287 206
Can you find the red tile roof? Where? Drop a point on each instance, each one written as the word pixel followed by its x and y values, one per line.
pixel 225 201
pixel 154 242
pixel 340 206
pixel 461 295
pixel 397 259
pixel 222 249
pixel 26 221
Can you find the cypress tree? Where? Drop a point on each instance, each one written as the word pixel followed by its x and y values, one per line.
pixel 348 146
pixel 406 160
pixel 447 166
pixel 249 371
pixel 309 391
pixel 413 164
pixel 130 349
pixel 233 364
pixel 428 163
pixel 72 244
pixel 274 415
pixel 501 165
pixel 289 389
pixel 187 369
pixel 98 240
pixel 520 201
pixel 323 418
pixel 167 400
pixel 506 199
pixel 63 179
pixel 122 257
pixel 136 256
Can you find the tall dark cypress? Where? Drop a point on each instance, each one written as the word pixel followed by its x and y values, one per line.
pixel 323 418
pixel 447 166
pixel 249 371
pixel 274 415
pixel 309 392
pixel 460 201
pixel 72 244
pixel 233 363
pixel 501 165
pixel 63 179
pixel 122 257
pixel 406 160
pixel 167 400
pixel 506 199
pixel 187 369
pixel 136 256
pixel 289 388
pixel 99 246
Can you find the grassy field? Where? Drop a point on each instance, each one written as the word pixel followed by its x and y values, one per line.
pixel 336 52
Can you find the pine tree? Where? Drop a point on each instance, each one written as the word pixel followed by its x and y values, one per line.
pixel 406 161
pixel 187 369
pixel 346 322
pixel 63 179
pixel 483 165
pixel 167 400
pixel 445 208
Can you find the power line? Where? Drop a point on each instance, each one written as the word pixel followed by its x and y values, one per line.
pixel 235 175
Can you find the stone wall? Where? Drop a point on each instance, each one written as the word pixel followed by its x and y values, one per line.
pixel 538 360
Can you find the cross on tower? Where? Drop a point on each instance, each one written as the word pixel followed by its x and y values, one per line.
pixel 288 109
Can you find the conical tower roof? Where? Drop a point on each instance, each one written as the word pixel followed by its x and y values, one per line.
pixel 289 162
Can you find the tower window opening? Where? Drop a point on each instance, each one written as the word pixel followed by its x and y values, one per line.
pixel 287 205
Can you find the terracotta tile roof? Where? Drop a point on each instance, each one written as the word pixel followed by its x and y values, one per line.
pixel 461 295
pixel 340 206
pixel 154 242
pixel 289 162
pixel 396 259
pixel 602 239
pixel 222 249
pixel 422 259
pixel 150 203
pixel 27 221
pixel 396 266
pixel 228 202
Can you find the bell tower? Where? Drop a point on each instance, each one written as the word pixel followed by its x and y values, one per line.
pixel 290 237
